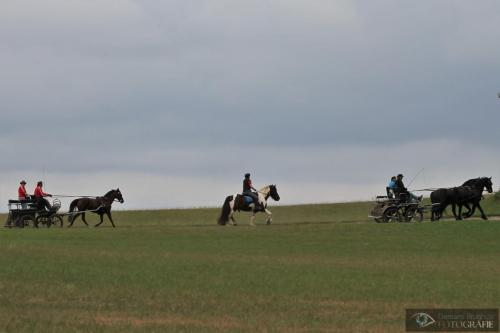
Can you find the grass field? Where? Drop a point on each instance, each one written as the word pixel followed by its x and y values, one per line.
pixel 318 268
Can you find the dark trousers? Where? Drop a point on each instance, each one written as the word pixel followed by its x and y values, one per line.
pixel 43 203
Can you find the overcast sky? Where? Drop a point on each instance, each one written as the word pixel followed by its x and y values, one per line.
pixel 173 101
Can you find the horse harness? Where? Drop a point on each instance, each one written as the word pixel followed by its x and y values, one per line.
pixel 104 203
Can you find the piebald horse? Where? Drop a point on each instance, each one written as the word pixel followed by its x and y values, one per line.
pixel 236 203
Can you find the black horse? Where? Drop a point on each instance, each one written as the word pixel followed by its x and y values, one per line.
pixel 471 192
pixel 440 199
pixel 99 205
pixel 478 184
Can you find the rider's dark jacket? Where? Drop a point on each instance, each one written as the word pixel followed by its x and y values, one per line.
pixel 400 187
pixel 247 185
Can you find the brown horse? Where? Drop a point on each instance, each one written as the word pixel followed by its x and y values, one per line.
pixel 99 205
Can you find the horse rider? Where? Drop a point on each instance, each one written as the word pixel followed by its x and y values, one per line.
pixel 248 190
pixel 401 189
pixel 40 197
pixel 22 194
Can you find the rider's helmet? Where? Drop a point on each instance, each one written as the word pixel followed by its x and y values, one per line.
pixel 23 182
pixel 400 175
pixel 247 175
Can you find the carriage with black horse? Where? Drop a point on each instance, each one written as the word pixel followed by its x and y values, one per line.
pixel 397 208
pixel 31 213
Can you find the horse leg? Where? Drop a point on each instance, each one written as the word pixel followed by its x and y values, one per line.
pixel 252 218
pixel 483 215
pixel 231 219
pixel 469 210
pixel 460 212
pixel 72 219
pixel 440 213
pixel 101 218
pixel 108 213
pixel 435 213
pixel 84 220
pixel 453 209
pixel 269 216
pixel 473 210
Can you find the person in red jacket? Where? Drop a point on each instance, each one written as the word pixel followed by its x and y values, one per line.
pixel 21 191
pixel 22 194
pixel 248 190
pixel 40 196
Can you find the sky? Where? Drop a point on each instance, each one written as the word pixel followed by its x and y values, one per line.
pixel 173 101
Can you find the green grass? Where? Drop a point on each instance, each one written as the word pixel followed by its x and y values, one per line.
pixel 317 268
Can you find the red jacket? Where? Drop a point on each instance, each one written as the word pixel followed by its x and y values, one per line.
pixel 247 185
pixel 39 193
pixel 21 192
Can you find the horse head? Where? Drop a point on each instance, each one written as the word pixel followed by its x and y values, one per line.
pixel 480 184
pixel 273 193
pixel 115 195
pixel 118 195
pixel 488 184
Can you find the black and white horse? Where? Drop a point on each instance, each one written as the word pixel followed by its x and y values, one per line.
pixel 237 202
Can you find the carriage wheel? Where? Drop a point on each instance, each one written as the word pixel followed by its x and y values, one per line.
pixel 391 214
pixel 44 220
pixel 414 214
pixel 8 222
pixel 26 221
pixel 419 215
pixel 56 220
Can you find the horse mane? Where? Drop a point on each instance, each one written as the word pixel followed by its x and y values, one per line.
pixel 265 189
pixel 107 195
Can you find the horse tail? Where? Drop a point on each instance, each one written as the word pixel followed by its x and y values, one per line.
pixel 72 207
pixel 226 210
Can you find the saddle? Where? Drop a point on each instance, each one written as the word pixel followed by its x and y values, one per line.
pixel 243 202
pixel 248 199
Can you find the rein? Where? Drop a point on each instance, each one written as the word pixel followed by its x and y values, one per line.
pixel 73 196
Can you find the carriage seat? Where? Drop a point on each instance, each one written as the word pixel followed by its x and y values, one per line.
pixel 21 204
pixel 28 200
